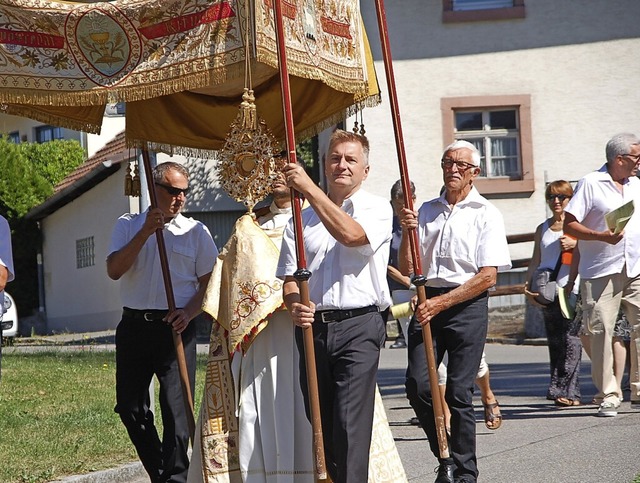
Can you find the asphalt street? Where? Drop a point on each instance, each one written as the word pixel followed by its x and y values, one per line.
pixel 537 442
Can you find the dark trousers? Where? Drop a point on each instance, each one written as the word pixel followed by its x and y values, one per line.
pixel 347 355
pixel 460 332
pixel 142 350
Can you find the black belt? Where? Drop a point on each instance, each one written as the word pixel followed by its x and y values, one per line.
pixel 150 315
pixel 338 315
pixel 435 291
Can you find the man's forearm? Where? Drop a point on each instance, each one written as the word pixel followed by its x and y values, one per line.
pixel 119 263
pixel 340 225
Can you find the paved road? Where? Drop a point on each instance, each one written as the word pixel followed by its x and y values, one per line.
pixel 536 443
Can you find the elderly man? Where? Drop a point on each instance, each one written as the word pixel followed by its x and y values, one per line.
pixel 609 265
pixel 462 248
pixel 144 339
pixel 346 235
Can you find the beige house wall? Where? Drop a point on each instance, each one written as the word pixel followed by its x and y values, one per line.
pixel 581 79
pixel 83 298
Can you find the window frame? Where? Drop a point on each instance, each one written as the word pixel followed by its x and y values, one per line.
pixel 522 104
pixel 85 252
pixel 449 15
pixel 52 129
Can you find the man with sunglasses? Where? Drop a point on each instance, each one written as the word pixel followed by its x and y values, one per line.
pixel 609 266
pixel 462 245
pixel 144 338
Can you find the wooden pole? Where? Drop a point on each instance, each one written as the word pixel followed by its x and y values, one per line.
pixel 164 264
pixel 419 280
pixel 302 274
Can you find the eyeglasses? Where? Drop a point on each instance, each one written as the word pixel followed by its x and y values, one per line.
pixel 561 198
pixel 635 157
pixel 461 165
pixel 173 191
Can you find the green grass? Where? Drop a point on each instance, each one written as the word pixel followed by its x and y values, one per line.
pixel 57 418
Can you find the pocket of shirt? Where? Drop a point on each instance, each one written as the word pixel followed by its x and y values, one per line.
pixel 183 259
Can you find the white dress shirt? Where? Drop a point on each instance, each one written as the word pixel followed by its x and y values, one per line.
pixel 456 241
pixel 594 197
pixel 190 251
pixel 344 277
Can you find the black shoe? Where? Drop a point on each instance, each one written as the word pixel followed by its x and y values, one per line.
pixel 445 471
pixel 398 344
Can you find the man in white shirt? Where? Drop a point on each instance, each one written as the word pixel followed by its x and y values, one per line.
pixel 462 246
pixel 609 265
pixel 6 267
pixel 144 339
pixel 346 237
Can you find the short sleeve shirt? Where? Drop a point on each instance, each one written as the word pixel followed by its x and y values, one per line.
pixel 594 197
pixel 456 241
pixel 344 277
pixel 191 253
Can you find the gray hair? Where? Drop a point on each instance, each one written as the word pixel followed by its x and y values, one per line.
pixel 620 144
pixel 161 170
pixel 462 144
pixel 397 190
pixel 340 136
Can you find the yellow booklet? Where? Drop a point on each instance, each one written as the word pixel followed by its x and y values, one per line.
pixel 617 219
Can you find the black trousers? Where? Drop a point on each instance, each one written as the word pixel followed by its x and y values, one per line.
pixel 461 332
pixel 347 355
pixel 142 350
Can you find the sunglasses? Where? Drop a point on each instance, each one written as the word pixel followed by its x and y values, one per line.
pixel 561 198
pixel 172 190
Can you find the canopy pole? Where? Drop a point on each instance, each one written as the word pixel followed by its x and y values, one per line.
pixel 419 280
pixel 302 274
pixel 171 302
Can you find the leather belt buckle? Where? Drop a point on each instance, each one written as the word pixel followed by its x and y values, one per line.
pixel 148 316
pixel 327 319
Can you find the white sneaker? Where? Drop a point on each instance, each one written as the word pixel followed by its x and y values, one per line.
pixel 608 409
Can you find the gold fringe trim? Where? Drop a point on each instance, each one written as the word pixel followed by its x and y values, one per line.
pixel 357 87
pixel 111 95
pixel 48 118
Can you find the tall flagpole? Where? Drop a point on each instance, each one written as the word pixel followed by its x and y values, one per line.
pixel 168 287
pixel 302 274
pixel 419 280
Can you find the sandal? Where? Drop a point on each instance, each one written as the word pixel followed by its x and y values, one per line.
pixel 565 402
pixel 492 419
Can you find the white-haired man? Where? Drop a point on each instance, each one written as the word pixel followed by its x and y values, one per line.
pixel 609 265
pixel 462 247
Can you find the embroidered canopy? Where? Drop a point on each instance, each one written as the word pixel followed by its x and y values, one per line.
pixel 180 65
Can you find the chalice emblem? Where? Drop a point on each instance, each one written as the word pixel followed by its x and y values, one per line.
pixel 103 50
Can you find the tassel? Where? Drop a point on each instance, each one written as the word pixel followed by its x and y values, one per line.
pixel 128 182
pixel 135 183
pixel 248 118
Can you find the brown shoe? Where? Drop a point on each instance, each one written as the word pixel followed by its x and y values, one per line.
pixel 492 415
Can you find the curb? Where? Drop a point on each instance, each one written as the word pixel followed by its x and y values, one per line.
pixel 516 341
pixel 122 474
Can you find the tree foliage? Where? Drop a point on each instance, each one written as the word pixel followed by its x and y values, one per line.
pixel 31 170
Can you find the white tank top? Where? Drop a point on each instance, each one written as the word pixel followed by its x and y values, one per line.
pixel 550 251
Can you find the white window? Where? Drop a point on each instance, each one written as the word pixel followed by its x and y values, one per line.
pixel 461 5
pixel 85 256
pixel 496 134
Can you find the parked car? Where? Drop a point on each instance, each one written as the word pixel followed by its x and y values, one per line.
pixel 9 320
